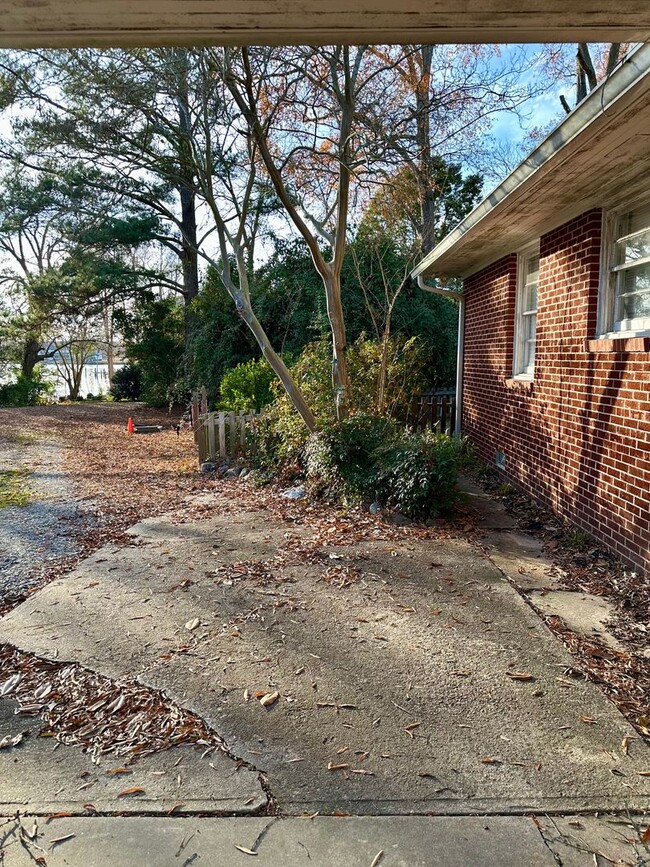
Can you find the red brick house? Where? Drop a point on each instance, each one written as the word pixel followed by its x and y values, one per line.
pixel 554 329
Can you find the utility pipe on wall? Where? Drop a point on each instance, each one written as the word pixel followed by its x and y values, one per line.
pixel 460 297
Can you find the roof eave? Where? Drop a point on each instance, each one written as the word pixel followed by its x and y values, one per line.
pixel 632 71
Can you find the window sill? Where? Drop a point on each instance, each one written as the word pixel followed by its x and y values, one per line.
pixel 518 383
pixel 618 344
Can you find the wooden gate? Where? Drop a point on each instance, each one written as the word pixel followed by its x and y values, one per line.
pixel 222 434
pixel 436 409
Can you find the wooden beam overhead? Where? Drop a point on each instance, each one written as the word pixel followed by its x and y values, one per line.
pixel 78 23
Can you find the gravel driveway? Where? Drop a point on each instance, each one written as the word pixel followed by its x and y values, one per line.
pixel 34 536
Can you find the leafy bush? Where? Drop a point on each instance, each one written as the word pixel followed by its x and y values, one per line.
pixel 282 436
pixel 26 391
pixel 370 458
pixel 247 386
pixel 418 476
pixel 347 455
pixel 126 383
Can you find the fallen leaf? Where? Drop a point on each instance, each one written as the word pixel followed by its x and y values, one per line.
pixel 52 816
pixel 520 675
pixel 245 850
pixel 134 790
pixel 625 744
pixel 193 623
pixel 331 766
pixel 644 773
pixel 10 684
pixel 269 699
pixel 115 772
pixel 490 761
pixel 409 729
pixel 375 861
pixel 588 720
pixel 363 772
pixel 58 840
pixel 461 672
pixel 645 837
pixel 11 741
pixel 338 813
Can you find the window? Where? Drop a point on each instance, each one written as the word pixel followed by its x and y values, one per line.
pixel 526 312
pixel 625 298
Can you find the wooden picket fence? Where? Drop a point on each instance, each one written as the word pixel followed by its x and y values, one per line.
pixel 222 434
pixel 436 410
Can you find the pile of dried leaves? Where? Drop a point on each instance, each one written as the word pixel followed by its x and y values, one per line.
pixel 81 707
pixel 623 677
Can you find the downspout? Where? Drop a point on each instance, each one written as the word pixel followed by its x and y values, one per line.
pixel 460 353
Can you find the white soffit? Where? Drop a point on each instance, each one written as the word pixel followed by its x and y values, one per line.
pixel 595 158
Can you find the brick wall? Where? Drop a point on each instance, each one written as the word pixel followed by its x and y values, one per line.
pixel 578 436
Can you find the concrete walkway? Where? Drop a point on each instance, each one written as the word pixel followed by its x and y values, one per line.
pixel 411 679
pixel 495 841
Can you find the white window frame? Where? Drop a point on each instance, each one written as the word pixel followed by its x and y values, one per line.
pixel 518 369
pixel 608 326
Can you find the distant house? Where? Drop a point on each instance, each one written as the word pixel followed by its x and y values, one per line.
pixel 555 345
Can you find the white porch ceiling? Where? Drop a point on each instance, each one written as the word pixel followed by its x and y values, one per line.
pixel 68 23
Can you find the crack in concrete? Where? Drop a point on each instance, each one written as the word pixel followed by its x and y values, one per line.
pixel 540 831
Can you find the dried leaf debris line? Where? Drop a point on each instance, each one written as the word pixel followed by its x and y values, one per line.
pixel 100 715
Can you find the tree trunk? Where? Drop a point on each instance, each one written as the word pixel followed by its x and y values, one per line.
pixel 428 206
pixel 187 193
pixel 189 256
pixel 31 357
pixel 110 350
pixel 277 365
pixel 427 193
pixel 340 378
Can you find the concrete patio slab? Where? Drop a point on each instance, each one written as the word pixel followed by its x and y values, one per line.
pixel 41 776
pixel 423 684
pixel 521 559
pixel 492 841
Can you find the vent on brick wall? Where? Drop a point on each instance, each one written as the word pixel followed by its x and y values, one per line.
pixel 500 460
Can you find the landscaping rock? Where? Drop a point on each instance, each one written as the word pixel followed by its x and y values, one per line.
pixel 232 473
pixel 296 493
pixel 208 467
pixel 374 509
pixel 399 520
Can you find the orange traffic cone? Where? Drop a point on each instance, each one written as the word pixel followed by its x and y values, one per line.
pixel 130 426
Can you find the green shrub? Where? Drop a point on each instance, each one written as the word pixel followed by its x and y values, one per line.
pixel 282 437
pixel 126 383
pixel 418 476
pixel 347 455
pixel 26 391
pixel 247 387
pixel 369 458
